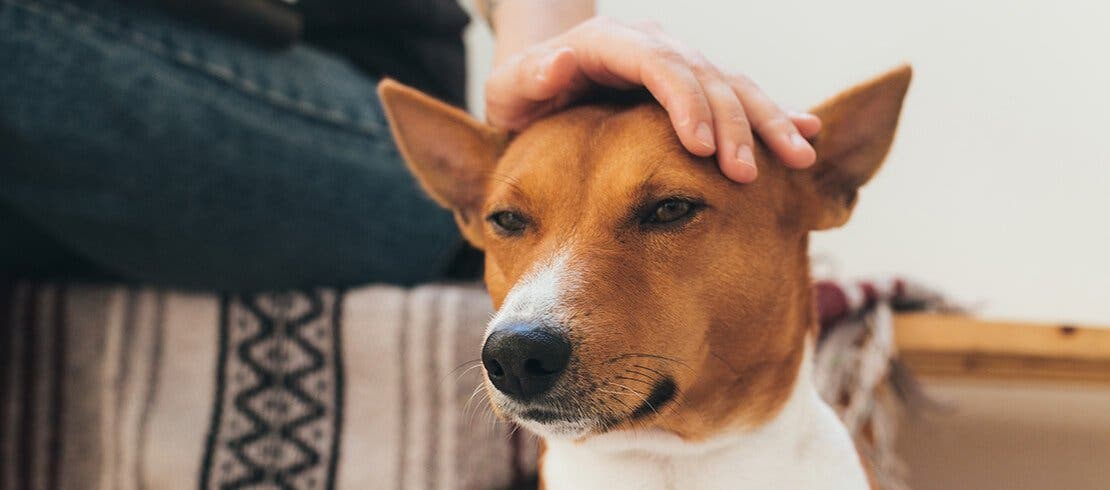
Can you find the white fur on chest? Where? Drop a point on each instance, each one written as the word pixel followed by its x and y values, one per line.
pixel 804 447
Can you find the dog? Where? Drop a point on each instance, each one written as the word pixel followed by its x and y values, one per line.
pixel 654 320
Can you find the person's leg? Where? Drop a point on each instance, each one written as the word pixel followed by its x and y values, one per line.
pixel 167 154
pixel 27 251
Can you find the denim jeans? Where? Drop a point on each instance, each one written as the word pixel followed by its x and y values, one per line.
pixel 153 150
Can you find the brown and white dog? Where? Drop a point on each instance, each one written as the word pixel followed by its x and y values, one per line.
pixel 654 320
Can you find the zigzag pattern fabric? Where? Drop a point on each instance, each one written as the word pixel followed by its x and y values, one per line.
pixel 276 419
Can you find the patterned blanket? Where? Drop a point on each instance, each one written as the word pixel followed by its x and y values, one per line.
pixel 124 388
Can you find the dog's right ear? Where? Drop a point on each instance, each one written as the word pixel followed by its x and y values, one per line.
pixel 450 153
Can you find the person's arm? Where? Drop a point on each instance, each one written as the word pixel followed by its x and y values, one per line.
pixel 520 24
pixel 550 52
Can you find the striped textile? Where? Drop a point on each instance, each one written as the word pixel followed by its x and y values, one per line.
pixel 119 388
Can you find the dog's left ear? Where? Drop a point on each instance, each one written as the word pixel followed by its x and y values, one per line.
pixel 450 153
pixel 858 129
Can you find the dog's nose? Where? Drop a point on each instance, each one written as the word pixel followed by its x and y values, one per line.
pixel 523 361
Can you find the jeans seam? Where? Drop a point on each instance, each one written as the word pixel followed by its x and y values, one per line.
pixel 78 17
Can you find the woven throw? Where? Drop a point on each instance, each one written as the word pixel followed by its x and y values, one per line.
pixel 126 388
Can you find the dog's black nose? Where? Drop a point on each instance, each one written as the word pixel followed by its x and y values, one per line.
pixel 523 361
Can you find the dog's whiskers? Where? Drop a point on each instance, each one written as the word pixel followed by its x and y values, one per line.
pixel 642 396
pixel 460 375
pixel 649 369
pixel 468 414
pixel 652 380
pixel 466 367
pixel 611 392
pixel 512 431
pixel 642 355
pixel 614 396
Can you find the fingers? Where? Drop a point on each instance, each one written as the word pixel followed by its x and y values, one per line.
pixel 547 73
pixel 775 127
pixel 687 86
pixel 732 133
pixel 607 50
pixel 734 137
pixel 808 124
pixel 530 85
pixel 712 113
pixel 679 92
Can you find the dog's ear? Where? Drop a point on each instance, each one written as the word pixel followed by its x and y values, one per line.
pixel 858 129
pixel 450 153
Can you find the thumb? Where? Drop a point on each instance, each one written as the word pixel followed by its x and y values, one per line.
pixel 521 85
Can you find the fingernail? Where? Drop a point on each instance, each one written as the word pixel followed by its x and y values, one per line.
pixel 800 143
pixel 752 170
pixel 744 156
pixel 704 134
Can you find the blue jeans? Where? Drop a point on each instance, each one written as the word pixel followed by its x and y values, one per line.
pixel 154 150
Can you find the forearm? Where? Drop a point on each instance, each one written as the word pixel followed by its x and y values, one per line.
pixel 519 24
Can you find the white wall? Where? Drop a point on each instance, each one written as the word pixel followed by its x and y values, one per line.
pixel 998 188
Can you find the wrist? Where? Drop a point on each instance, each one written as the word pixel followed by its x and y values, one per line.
pixel 521 24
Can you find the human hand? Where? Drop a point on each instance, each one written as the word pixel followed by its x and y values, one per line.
pixel 713 112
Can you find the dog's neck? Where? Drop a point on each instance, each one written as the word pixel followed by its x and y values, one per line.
pixel 803 446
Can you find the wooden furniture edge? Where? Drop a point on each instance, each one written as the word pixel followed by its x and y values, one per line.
pixel 956 346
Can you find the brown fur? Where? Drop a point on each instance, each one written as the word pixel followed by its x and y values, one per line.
pixel 721 304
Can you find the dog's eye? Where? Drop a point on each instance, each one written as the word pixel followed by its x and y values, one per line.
pixel 507 222
pixel 671 210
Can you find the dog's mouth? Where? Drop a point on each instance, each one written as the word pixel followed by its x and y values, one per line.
pixel 544 416
pixel 595 411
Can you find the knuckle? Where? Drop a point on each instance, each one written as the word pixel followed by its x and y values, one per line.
pixel 737 118
pixel 687 94
pixel 722 96
pixel 687 98
pixel 730 113
pixel 662 53
pixel 687 87
pixel 776 123
pixel 741 80
pixel 701 66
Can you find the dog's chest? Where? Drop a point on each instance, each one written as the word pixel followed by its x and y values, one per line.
pixel 807 449
pixel 581 470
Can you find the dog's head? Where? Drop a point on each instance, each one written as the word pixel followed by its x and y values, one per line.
pixel 635 285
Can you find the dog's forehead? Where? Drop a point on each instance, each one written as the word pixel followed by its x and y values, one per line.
pixel 608 149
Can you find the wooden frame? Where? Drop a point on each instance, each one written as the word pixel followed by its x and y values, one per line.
pixel 964 347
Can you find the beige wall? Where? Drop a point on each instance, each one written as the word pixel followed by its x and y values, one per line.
pixel 998 189
pixel 1024 436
